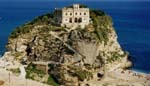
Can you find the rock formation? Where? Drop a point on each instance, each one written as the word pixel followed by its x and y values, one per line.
pixel 74 55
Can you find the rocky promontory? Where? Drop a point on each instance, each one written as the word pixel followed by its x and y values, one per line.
pixel 68 56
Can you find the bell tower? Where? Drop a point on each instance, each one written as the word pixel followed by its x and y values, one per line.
pixel 76 6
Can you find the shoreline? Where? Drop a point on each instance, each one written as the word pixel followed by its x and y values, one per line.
pixel 139 71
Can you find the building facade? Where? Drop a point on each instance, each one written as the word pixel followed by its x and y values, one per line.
pixel 73 15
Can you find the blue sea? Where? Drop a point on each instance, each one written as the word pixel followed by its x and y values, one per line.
pixel 131 21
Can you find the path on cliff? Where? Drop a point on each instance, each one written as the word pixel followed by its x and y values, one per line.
pixel 54 34
pixel 22 72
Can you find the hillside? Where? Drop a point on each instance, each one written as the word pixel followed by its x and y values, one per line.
pixel 75 55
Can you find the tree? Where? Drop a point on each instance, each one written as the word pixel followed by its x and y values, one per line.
pixel 45 19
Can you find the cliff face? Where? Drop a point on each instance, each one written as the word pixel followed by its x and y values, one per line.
pixel 77 54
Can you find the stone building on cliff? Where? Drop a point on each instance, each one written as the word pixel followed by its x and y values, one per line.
pixel 73 15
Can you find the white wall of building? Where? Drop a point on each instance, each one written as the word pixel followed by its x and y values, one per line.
pixel 75 15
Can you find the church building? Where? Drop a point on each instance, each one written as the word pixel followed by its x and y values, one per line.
pixel 72 15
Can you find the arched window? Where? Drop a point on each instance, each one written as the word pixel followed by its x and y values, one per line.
pixel 76 20
pixel 80 20
pixel 84 13
pixel 76 13
pixel 66 14
pixel 70 14
pixel 80 13
pixel 70 20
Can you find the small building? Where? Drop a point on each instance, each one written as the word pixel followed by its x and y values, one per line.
pixel 72 15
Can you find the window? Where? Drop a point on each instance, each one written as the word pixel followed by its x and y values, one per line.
pixel 84 13
pixel 76 20
pixel 76 13
pixel 80 20
pixel 66 14
pixel 70 14
pixel 70 20
pixel 80 13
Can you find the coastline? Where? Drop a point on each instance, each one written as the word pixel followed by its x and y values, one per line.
pixel 113 77
pixel 139 71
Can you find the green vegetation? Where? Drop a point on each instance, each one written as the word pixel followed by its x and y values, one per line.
pixel 100 22
pixel 21 30
pixel 114 57
pixel 82 74
pixel 44 19
pixel 51 81
pixel 26 28
pixel 32 72
pixel 15 71
pixel 95 13
pixel 36 74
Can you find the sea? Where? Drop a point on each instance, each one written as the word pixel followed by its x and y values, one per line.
pixel 131 20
